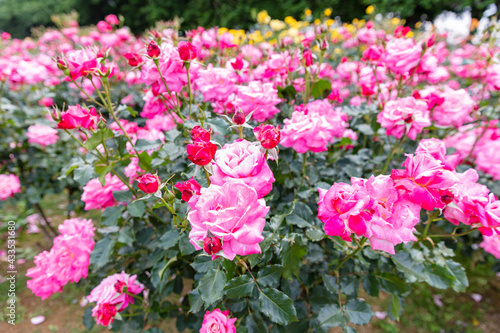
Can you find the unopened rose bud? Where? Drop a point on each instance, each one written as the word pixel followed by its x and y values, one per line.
pixel 307 56
pixel 188 188
pixel 431 41
pixel 212 245
pixel 199 133
pixel 153 50
pixel 134 59
pixel 268 135
pixel 149 183
pixel 169 196
pixel 239 118
pixel 187 51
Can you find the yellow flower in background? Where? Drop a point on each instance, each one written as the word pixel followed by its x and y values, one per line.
pixel 308 12
pixel 315 48
pixel 337 51
pixel 255 37
pixel 290 21
pixel 277 25
pixel 395 21
pixel 263 17
pixel 355 21
pixel 268 34
pixel 329 22
pixel 418 25
pixel 222 30
pixel 370 9
pixel 410 34
pixel 239 35
pixel 317 21
pixel 328 12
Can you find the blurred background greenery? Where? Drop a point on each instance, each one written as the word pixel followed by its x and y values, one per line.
pixel 18 17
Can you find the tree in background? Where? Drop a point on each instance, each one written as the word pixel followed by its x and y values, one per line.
pixel 18 17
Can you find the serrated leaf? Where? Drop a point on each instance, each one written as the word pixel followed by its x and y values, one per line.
pixel 169 239
pixel 461 281
pixel 255 324
pixel 83 174
pixel 321 88
pixel 111 215
pixel 291 256
pixel 330 283
pixel 88 320
pixel 358 312
pixel 315 234
pixel 101 253
pixel 211 286
pixel 143 144
pixel 330 316
pixel 395 307
pixel 277 306
pixel 122 196
pixel 203 264
pixel 269 275
pixel 195 301
pixel 137 208
pixel 239 287
pixel 438 276
pixel 407 265
pixel 393 283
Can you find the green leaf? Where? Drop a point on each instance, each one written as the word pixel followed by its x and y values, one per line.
pixel 330 283
pixel 395 307
pixel 321 88
pixel 277 306
pixel 143 144
pixel 103 172
pixel 288 92
pixel 302 215
pixel 438 276
pixel 122 196
pixel 111 215
pixel 269 275
pixel 393 283
pixel 255 323
pixel 203 264
pixel 407 265
pixel 169 239
pixel 330 316
pixel 239 287
pixel 315 234
pixel 371 285
pixel 101 253
pixel 195 301
pixel 358 312
pixel 461 281
pixel 136 209
pixel 88 320
pixel 83 174
pixel 349 285
pixel 211 286
pixel 98 138
pixel 291 256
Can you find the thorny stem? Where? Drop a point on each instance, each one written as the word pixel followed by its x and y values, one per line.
pixel 452 235
pixel 250 272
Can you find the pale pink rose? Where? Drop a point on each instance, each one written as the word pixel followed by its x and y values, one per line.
pixel 404 116
pixel 162 122
pixel 491 244
pixel 111 291
pixel 46 101
pixel 259 98
pixel 82 227
pixel 244 161
pixel 9 185
pixel 313 127
pixel 402 55
pixel 97 196
pixel 42 135
pixel 437 149
pixel 423 179
pixel 233 213
pixel 81 63
pixel 155 104
pixel 455 110
pixel 216 83
pixel 488 158
pixel 218 321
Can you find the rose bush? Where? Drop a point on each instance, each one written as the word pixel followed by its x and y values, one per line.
pixel 262 177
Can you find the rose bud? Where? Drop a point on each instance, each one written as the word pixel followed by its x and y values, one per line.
pixel 239 117
pixel 201 152
pixel 188 188
pixel 307 55
pixel 134 59
pixel 212 245
pixel 268 135
pixel 199 133
pixel 431 41
pixel 153 50
pixel 119 286
pixel 237 64
pixel 149 183
pixel 187 51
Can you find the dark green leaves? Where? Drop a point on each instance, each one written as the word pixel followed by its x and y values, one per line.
pixel 239 287
pixel 169 239
pixel 269 275
pixel 358 312
pixel 277 306
pixel 143 144
pixel 330 316
pixel 321 89
pixel 101 253
pixel 211 286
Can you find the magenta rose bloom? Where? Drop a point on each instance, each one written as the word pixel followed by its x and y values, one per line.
pixel 233 213
pixel 259 98
pixel 244 161
pixel 268 135
pixel 187 51
pixel 76 117
pixel 201 152
pixel 437 149
pixel 149 183
pixel 405 115
pixel 491 244
pixel 106 314
pixel 42 135
pixel 423 179
pixel 455 110
pixel 218 321
pixel 9 185
pixel 81 63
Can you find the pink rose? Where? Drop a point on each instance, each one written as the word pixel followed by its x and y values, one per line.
pixel 187 51
pixel 491 244
pixel 149 183
pixel 9 185
pixel 216 83
pixel 233 213
pixel 218 321
pixel 437 149
pixel 402 55
pixel 41 134
pixel 201 152
pixel 81 63
pixel 97 196
pixel 423 179
pixel 259 98
pixel 455 110
pixel 404 115
pixel 188 188
pixel 76 116
pixel 268 135
pixel 244 161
